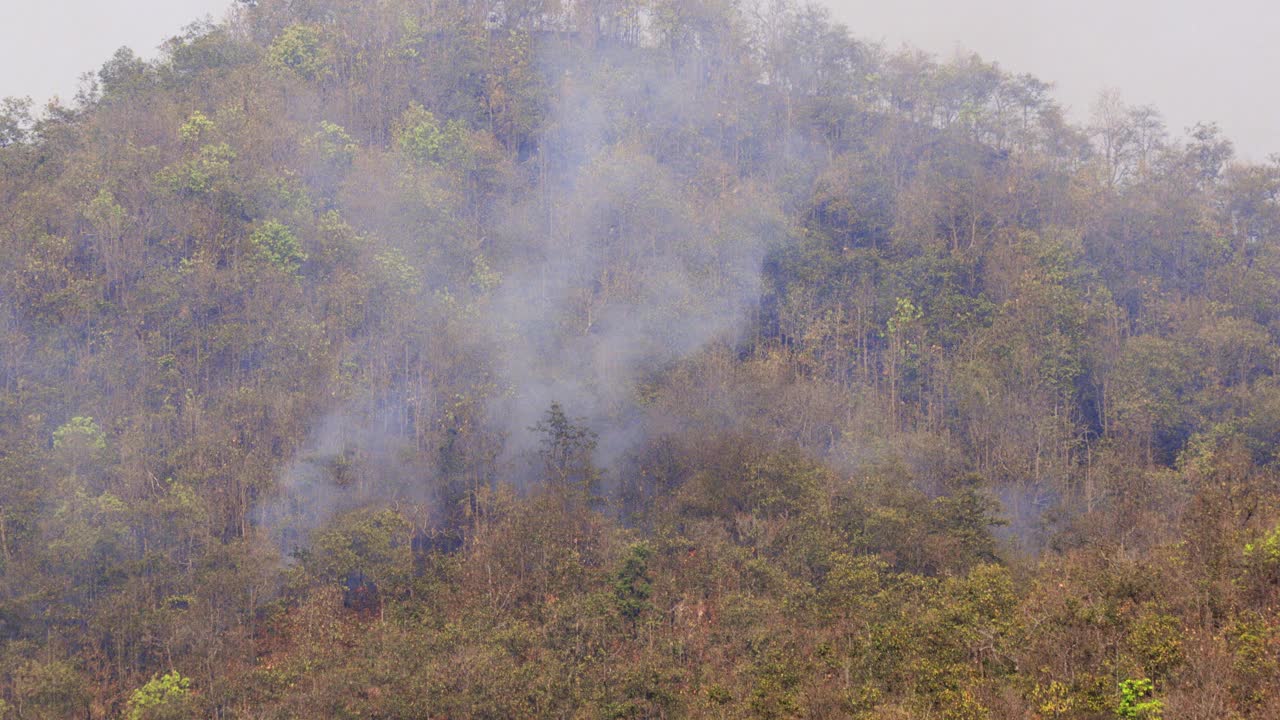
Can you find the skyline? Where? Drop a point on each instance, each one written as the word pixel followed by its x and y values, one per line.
pixel 1190 65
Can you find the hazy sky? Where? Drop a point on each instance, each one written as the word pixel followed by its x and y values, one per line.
pixel 46 45
pixel 1193 60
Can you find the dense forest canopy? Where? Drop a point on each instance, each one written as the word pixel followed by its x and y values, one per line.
pixel 627 359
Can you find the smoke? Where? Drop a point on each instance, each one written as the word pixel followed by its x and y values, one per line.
pixel 624 277
pixel 625 256
pixel 348 462
pixel 626 283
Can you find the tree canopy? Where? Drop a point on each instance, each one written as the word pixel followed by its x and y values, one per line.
pixel 646 358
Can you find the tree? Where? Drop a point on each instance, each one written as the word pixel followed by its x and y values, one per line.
pixel 632 584
pixel 299 49
pixel 1136 700
pixel 161 698
pixel 567 452
pixel 278 246
pixel 15 121
pixel 424 140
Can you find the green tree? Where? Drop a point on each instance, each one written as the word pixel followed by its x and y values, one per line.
pixel 299 49
pixel 276 243
pixel 1136 700
pixel 163 697
pixel 632 585
pixel 424 140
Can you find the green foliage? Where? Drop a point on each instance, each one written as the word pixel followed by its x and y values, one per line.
pixel 903 316
pixel 195 126
pixel 1261 563
pixel 632 585
pixel 963 705
pixel 823 304
pixel 335 146
pixel 967 516
pixel 80 432
pixel 1249 639
pixel 160 698
pixel 763 483
pixel 201 173
pixel 107 216
pixel 1136 700
pixel 298 49
pixel 1265 553
pixel 372 543
pixel 124 74
pixel 276 244
pixel 423 140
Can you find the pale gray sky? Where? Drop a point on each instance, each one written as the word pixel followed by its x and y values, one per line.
pixel 1192 59
pixel 46 45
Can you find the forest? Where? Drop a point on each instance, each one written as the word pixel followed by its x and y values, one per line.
pixel 627 359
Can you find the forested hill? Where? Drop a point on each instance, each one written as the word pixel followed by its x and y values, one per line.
pixel 627 359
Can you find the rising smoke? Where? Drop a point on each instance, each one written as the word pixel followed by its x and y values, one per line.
pixel 611 279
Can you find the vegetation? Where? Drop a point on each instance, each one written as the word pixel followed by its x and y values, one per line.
pixel 650 358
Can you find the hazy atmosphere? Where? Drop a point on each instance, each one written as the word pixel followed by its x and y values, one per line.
pixel 1192 61
pixel 638 359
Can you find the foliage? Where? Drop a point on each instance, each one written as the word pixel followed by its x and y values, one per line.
pixel 626 359
pixel 201 173
pixel 1136 700
pixel 424 140
pixel 298 49
pixel 632 586
pixel 567 451
pixel 160 697
pixel 195 126
pixel 334 144
pixel 275 243
pixel 79 431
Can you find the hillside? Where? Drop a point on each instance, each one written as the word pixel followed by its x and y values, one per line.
pixel 627 359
